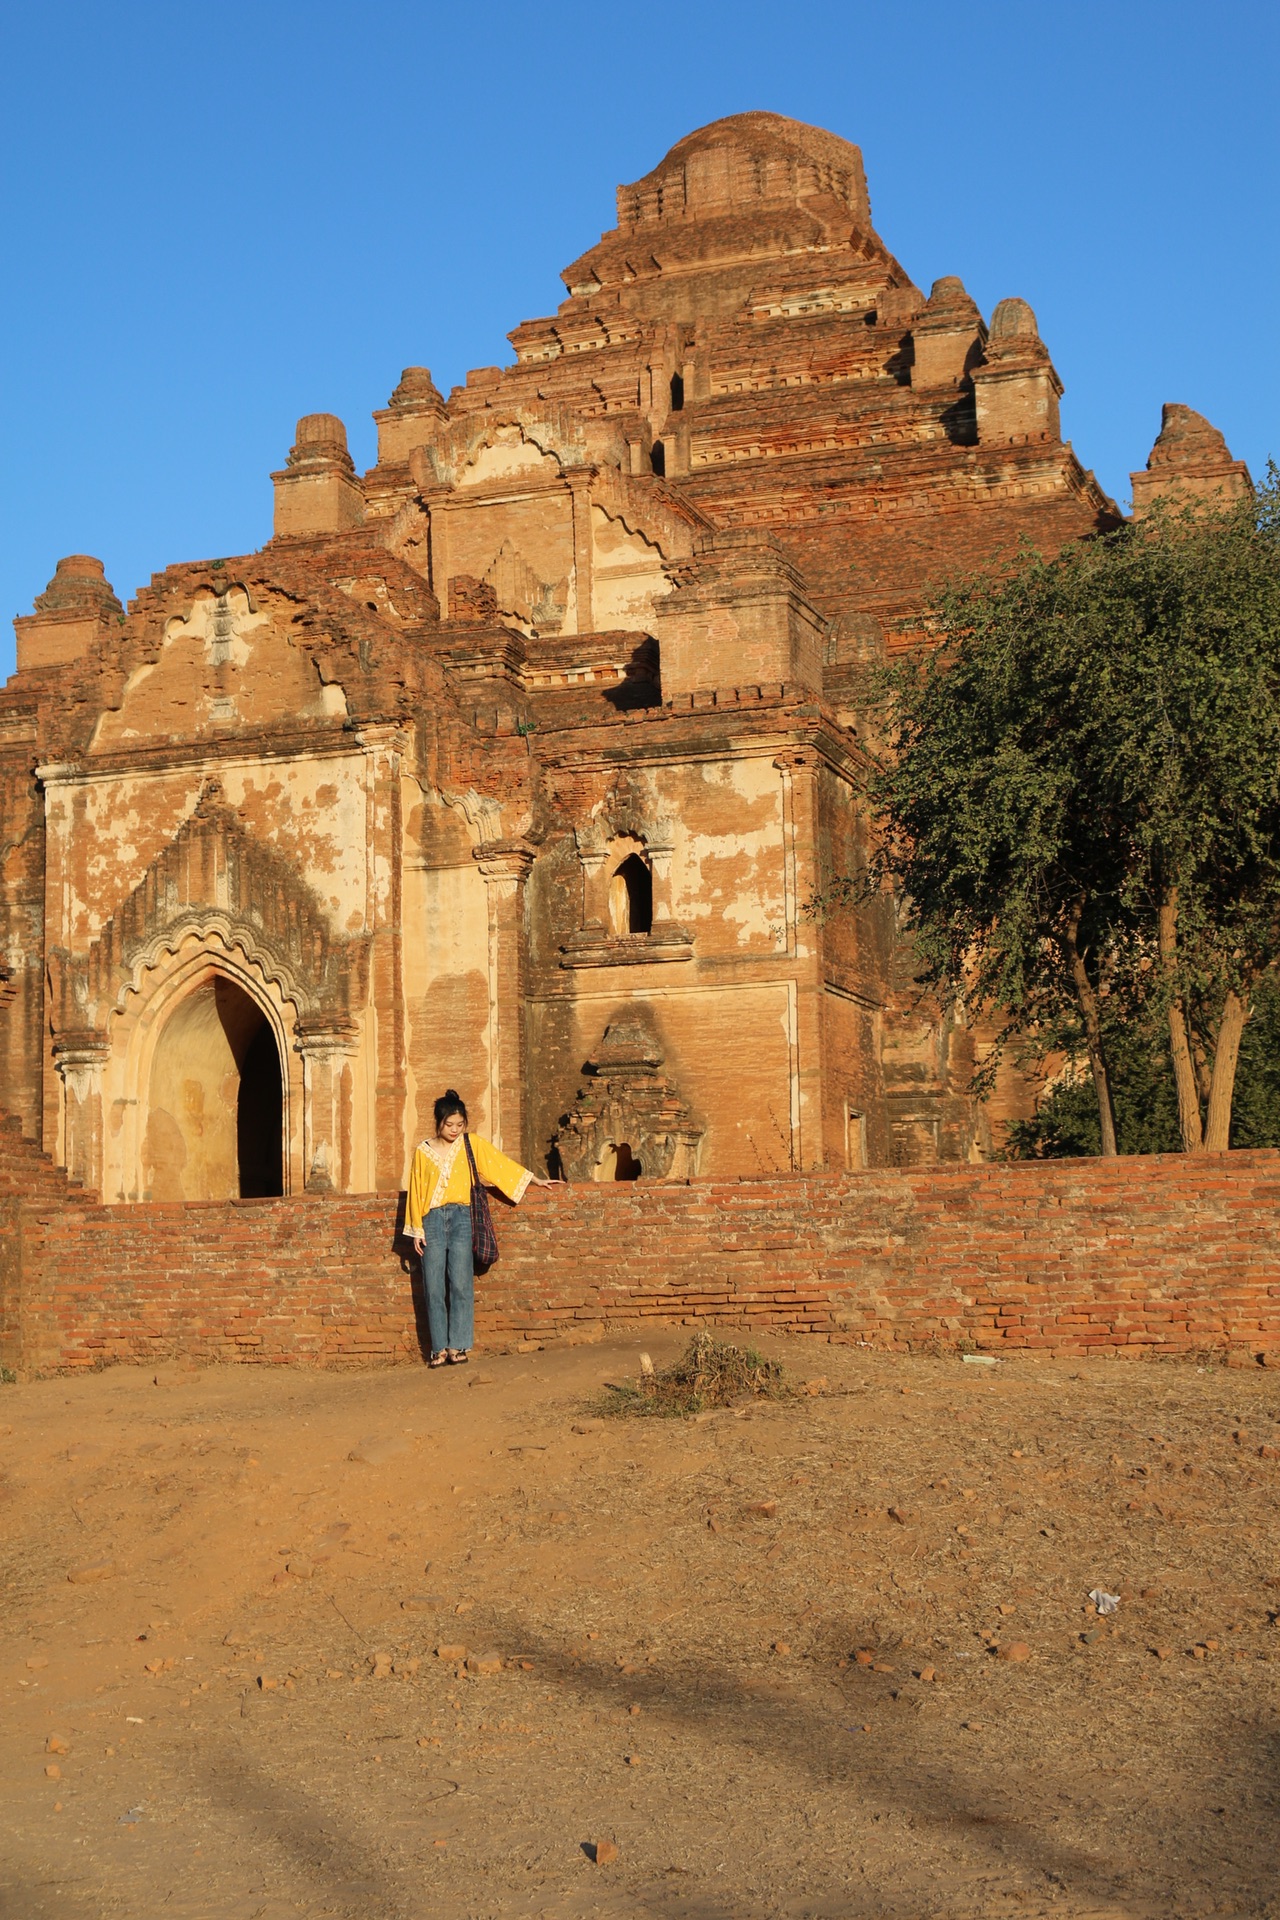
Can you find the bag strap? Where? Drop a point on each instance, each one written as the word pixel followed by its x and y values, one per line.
pixel 471 1162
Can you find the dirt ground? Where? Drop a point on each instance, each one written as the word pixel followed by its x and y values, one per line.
pixel 765 1654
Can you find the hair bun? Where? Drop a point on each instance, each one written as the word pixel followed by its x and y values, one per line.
pixel 451 1093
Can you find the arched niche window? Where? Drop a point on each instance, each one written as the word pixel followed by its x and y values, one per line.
pixel 658 459
pixel 677 392
pixel 631 897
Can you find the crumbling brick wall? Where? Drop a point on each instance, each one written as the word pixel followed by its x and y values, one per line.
pixel 1170 1253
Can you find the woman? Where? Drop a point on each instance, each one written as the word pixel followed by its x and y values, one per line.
pixel 438 1216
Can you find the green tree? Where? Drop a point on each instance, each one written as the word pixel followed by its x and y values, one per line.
pixel 1146 1107
pixel 1079 795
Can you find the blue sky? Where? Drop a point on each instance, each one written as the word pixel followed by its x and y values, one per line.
pixel 216 219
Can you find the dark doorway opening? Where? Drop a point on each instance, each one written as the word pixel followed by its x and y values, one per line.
pixel 658 459
pixel 617 1162
pixel 677 392
pixel 631 897
pixel 260 1117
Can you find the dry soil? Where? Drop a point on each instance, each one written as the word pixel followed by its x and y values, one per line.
pixel 403 1643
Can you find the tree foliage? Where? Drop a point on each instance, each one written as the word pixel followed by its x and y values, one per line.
pixel 1079 795
pixel 1065 1122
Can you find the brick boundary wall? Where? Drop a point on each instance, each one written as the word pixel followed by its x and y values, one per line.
pixel 1165 1253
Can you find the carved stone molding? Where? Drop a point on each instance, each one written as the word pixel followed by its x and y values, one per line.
pixel 595 946
pixel 317 1037
pixel 504 860
pixel 79 1057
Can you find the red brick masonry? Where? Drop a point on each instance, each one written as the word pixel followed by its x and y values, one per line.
pixel 1170 1253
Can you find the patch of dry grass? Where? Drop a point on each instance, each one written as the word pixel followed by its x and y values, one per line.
pixel 711 1373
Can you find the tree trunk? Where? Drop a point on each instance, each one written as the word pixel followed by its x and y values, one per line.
pixel 1088 1000
pixel 1184 1069
pixel 1217 1133
pixel 1204 1072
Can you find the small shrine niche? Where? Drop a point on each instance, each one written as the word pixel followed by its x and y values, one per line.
pixel 628 1121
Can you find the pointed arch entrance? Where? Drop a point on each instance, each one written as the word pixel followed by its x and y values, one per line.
pixel 215 1099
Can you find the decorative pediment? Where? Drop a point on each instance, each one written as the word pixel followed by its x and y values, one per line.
pixel 503 446
pixel 629 1121
pixel 508 455
pixel 214 877
pixel 227 656
pixel 521 595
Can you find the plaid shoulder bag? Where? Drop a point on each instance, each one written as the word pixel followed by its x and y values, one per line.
pixel 484 1241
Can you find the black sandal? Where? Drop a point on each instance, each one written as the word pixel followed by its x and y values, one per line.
pixel 459 1357
pixel 440 1359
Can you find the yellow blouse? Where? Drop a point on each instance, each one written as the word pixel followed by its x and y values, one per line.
pixel 441 1177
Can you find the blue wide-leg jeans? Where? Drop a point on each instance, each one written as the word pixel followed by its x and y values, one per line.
pixel 448 1276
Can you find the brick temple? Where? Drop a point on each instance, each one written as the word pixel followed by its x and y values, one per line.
pixel 514 763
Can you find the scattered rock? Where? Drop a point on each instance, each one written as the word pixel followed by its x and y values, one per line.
pixel 374 1451
pixel 267 1684
pixel 604 1852
pixel 1013 1650
pixel 815 1387
pixel 781 1647
pixel 333 1534
pixel 37 1660
pixel 94 1570
pixel 53 1771
pixel 380 1665
pixel 175 1374
pixel 300 1567
pixel 448 1650
pixel 57 1743
pixel 864 1658
pixel 484 1663
pixel 421 1602
pixel 766 1508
